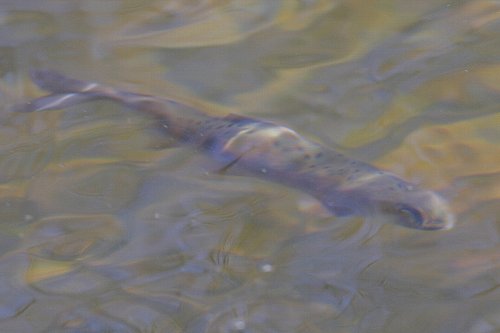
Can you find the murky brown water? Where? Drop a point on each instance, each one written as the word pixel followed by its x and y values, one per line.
pixel 106 226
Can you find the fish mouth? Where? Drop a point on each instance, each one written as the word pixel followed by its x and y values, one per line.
pixel 435 225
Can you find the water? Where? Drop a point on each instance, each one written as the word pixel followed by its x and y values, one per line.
pixel 108 226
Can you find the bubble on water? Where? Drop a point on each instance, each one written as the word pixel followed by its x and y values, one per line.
pixel 267 268
pixel 238 324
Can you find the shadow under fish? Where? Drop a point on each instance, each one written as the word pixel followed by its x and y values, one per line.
pixel 266 150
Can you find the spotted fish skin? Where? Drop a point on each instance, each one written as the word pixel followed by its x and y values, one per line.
pixel 263 149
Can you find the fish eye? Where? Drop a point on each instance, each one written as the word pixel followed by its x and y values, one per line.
pixel 412 216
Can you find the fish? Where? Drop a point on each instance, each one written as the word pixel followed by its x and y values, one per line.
pixel 266 150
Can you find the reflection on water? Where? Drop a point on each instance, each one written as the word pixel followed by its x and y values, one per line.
pixel 107 226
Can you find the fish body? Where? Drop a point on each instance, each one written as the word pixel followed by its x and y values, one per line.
pixel 263 149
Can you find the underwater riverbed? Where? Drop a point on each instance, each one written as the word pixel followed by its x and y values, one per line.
pixel 107 225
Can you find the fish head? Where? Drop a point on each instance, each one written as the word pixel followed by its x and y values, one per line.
pixel 406 204
pixel 419 209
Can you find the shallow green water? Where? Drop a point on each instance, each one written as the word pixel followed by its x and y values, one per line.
pixel 108 226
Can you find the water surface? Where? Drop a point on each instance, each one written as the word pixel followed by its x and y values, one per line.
pixel 108 226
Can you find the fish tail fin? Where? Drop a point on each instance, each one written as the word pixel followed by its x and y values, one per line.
pixel 52 102
pixel 66 91
pixel 58 83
